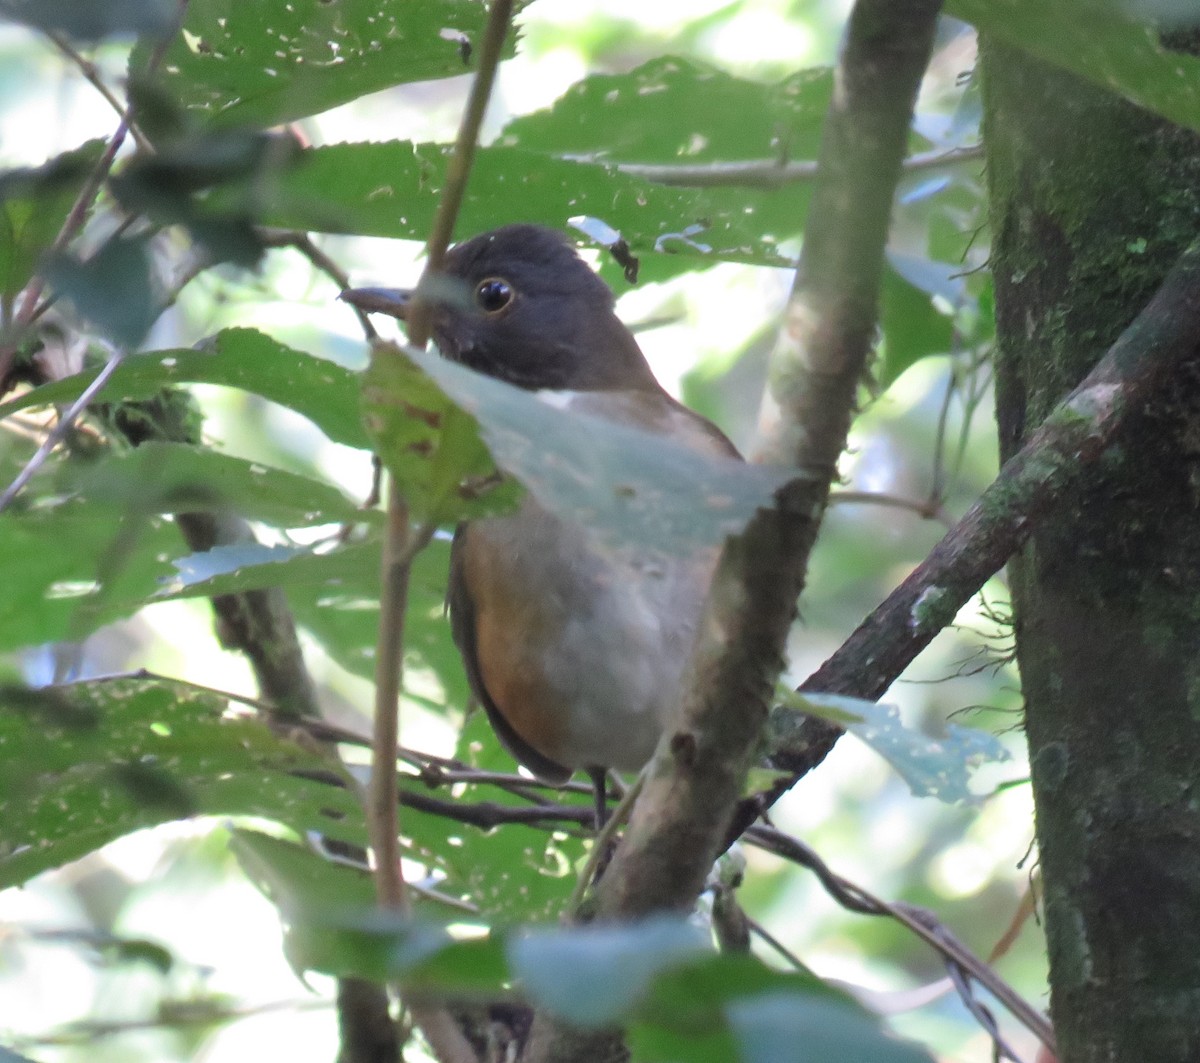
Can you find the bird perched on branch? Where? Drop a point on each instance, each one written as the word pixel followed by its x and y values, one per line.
pixel 577 654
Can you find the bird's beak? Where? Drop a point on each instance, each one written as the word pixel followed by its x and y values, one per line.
pixel 391 301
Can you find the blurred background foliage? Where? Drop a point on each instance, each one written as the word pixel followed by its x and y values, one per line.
pixel 141 825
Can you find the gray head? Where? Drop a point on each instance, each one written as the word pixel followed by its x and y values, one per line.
pixel 519 304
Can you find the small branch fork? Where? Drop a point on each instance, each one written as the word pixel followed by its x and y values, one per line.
pixel 545 812
pixel 1139 366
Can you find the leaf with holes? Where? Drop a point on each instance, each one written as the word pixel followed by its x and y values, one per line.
pixel 102 567
pixel 429 445
pixel 89 762
pixel 932 767
pixel 264 63
pixel 391 189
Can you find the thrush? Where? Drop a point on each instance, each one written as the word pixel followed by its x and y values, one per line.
pixel 575 651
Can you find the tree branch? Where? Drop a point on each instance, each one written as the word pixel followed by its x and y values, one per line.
pixel 1138 367
pixel 770 173
pixel 693 784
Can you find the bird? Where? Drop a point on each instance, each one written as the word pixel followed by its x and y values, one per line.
pixel 576 652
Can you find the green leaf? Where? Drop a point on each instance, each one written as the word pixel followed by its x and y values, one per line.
pixel 674 109
pixel 335 597
pixel 932 767
pixel 113 551
pixel 793 1027
pixel 92 20
pixel 627 486
pixel 215 185
pixel 697 991
pixel 89 762
pixel 240 358
pixel 178 478
pixel 102 567
pixel 234 569
pixel 384 946
pixel 228 567
pixel 1100 42
pixel 112 289
pixel 360 942
pixel 259 62
pixel 592 976
pixel 391 189
pixel 705 1012
pixel 913 327
pixel 467 967
pixel 33 206
pixel 516 873
pixel 430 446
pixel 296 879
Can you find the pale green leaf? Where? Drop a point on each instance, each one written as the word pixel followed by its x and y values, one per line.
pixel 627 486
pixel 242 358
pixel 1100 40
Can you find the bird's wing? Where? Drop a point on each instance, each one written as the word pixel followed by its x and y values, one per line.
pixel 463 628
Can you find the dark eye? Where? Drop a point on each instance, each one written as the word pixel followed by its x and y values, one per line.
pixel 493 295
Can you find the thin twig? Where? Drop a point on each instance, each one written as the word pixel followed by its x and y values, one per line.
pixel 91 74
pixel 938 490
pixel 600 847
pixel 77 215
pixel 444 1036
pixel 931 509
pixel 304 243
pixel 769 173
pixel 922 923
pixel 175 1015
pixel 60 431
pixel 761 931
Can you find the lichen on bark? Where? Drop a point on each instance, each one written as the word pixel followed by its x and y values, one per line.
pixel 1092 201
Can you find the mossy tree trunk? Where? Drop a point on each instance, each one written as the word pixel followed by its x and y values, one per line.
pixel 1092 200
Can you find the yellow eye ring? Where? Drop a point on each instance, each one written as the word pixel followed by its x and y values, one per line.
pixel 493 295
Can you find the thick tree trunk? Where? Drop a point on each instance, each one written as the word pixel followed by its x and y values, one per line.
pixel 1092 200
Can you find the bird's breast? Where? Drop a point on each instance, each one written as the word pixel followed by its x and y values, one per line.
pixel 582 650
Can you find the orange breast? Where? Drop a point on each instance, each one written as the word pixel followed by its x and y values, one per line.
pixel 512 627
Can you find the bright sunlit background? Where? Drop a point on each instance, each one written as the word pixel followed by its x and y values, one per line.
pixel 63 994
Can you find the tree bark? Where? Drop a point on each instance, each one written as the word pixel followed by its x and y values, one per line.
pixel 1092 202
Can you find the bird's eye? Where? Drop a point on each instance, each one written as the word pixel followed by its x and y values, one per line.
pixel 493 295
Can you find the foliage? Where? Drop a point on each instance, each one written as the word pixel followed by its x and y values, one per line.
pixel 94 539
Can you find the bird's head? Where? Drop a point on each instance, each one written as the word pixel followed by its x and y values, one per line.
pixel 519 304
